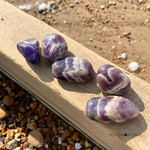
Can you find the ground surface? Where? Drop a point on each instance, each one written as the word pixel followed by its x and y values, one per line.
pixel 109 32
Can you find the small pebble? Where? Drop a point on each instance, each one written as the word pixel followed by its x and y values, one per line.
pixel 103 6
pixel 51 3
pixel 135 7
pixel 71 5
pixel 59 140
pixel 87 145
pixel 3 112
pixel 65 134
pixel 8 100
pixel 78 146
pixel 133 66
pixel 32 125
pixel 17 148
pixel 25 7
pixel 46 146
pixel 124 56
pixel 12 144
pixel 42 7
pixel 36 138
pixel 148 7
pixel 1 145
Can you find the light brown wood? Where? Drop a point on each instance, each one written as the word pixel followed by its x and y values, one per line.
pixel 69 99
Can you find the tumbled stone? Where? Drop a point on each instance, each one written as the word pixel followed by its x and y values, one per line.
pixel 54 47
pixel 112 81
pixel 111 109
pixel 8 100
pixel 3 112
pixel 36 138
pixel 30 50
pixel 73 69
pixel 32 125
pixel 12 144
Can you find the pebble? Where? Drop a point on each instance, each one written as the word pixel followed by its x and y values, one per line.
pixel 33 105
pixel 17 148
pixel 124 56
pixel 45 146
pixel 25 145
pixel 59 140
pixel 32 125
pixel 1 145
pixel 8 100
pixel 12 144
pixel 36 138
pixel 133 66
pixel 3 112
pixel 42 7
pixel 65 134
pixel 51 3
pixel 95 148
pixel 25 7
pixel 135 7
pixel 71 5
pixel 87 145
pixel 75 136
pixel 103 6
pixel 70 147
pixel 78 146
pixel 148 7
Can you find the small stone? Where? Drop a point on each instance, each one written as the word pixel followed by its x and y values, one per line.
pixel 17 148
pixel 54 47
pixel 71 5
pixel 8 100
pixel 25 145
pixel 148 7
pixel 33 105
pixel 1 145
pixel 78 146
pixel 30 50
pixel 135 7
pixel 69 69
pixel 46 146
pixel 133 66
pixel 17 135
pixel 60 130
pixel 70 147
pixel 88 145
pixel 114 3
pixel 32 125
pixel 12 144
pixel 42 7
pixel 124 56
pixel 59 140
pixel 103 6
pixel 36 138
pixel 71 129
pixel 22 109
pixel 75 136
pixel 95 148
pixel 8 90
pixel 3 112
pixel 126 33
pixel 91 40
pixel 65 134
pixel 51 3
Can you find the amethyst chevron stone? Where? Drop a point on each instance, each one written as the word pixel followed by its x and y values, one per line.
pixel 111 109
pixel 112 81
pixel 54 47
pixel 30 50
pixel 73 69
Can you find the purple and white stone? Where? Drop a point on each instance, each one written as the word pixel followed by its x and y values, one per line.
pixel 30 50
pixel 112 81
pixel 111 109
pixel 73 69
pixel 54 47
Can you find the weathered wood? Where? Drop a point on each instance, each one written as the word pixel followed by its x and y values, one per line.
pixel 69 99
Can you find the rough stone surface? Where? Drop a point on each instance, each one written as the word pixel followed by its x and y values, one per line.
pixel 73 69
pixel 112 81
pixel 54 47
pixel 30 50
pixel 111 109
pixel 32 125
pixel 36 138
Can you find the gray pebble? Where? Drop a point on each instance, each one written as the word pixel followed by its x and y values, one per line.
pixel 12 144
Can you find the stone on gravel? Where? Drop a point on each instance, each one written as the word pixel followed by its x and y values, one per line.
pixel 32 125
pixel 17 148
pixel 3 112
pixel 8 100
pixel 65 134
pixel 133 66
pixel 36 138
pixel 12 144
pixel 71 5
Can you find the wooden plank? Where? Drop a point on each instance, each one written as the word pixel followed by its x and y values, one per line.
pixel 69 99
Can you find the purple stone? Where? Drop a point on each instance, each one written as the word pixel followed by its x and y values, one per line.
pixel 111 109
pixel 73 69
pixel 112 81
pixel 54 47
pixel 30 50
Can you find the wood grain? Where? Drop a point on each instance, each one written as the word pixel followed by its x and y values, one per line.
pixel 68 100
